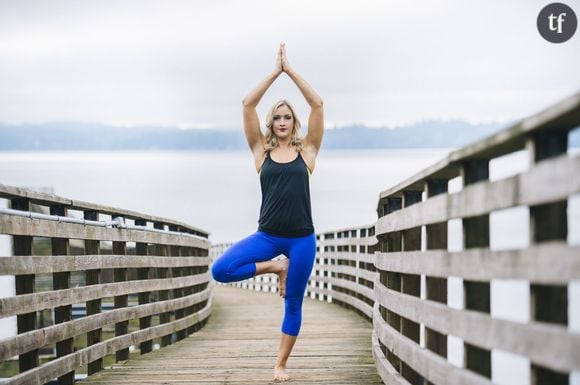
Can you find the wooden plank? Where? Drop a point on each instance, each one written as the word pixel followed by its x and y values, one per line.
pixel 35 339
pixel 349 256
pixel 356 303
pixel 93 277
pixel 239 344
pixel 65 364
pixel 533 264
pixel 15 225
pixel 477 294
pixel 485 197
pixel 388 373
pixel 62 314
pixel 163 295
pixel 46 300
pixel 25 264
pixel 121 301
pixel 24 284
pixel 51 199
pixel 353 286
pixel 11 192
pixel 142 249
pixel 549 345
pixel 365 241
pixel 431 366
pixel 175 252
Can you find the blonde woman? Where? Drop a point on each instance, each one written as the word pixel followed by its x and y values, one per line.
pixel 284 160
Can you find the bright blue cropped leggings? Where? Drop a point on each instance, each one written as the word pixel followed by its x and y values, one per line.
pixel 239 263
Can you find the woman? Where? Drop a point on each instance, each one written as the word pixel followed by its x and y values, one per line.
pixel 284 161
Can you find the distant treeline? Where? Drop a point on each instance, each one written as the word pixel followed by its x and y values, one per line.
pixel 86 136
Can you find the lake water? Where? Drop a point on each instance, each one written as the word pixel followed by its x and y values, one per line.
pixel 219 192
pixel 215 191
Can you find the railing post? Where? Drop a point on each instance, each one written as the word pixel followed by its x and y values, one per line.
pixel 141 249
pixel 326 262
pixel 436 287
pixel 163 272
pixel 548 222
pixel 93 277
pixel 22 246
pixel 187 251
pixel 121 301
pixel 476 294
pixel 61 280
pixel 411 283
pixel 175 251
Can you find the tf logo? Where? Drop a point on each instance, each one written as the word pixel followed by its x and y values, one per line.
pixel 557 22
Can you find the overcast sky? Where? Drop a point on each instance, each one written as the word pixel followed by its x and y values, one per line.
pixel 190 63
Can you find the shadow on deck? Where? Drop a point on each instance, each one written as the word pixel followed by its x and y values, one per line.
pixel 239 345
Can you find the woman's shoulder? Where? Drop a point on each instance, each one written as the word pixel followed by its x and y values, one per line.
pixel 309 157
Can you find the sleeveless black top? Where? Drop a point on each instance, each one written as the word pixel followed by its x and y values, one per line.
pixel 285 209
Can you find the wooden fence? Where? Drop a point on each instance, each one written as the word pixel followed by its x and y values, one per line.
pixel 153 272
pixel 414 257
pixel 344 272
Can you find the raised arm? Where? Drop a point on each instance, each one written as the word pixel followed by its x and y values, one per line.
pixel 313 139
pixel 254 136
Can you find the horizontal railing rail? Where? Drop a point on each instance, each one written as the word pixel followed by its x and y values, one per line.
pixel 150 272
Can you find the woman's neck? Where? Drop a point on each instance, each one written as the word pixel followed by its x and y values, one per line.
pixel 285 144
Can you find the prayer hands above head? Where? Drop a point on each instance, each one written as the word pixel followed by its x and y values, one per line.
pixel 278 68
pixel 285 64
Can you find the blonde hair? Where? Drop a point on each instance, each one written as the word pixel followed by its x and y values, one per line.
pixel 271 138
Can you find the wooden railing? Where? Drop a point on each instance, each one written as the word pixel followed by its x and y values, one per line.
pixel 412 318
pixel 152 273
pixel 344 272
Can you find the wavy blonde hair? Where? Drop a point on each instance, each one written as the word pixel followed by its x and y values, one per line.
pixel 271 138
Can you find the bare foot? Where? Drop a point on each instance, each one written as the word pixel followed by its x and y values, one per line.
pixel 280 374
pixel 282 276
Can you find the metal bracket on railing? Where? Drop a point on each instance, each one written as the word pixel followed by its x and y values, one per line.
pixel 118 222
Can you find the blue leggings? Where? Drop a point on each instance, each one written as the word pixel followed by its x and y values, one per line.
pixel 239 263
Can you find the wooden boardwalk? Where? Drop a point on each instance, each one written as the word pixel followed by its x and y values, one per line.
pixel 239 346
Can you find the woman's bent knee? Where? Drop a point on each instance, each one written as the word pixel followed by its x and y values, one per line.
pixel 219 273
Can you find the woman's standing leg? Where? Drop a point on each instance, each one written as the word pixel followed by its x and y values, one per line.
pixel 302 252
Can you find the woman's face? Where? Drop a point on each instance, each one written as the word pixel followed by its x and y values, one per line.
pixel 283 122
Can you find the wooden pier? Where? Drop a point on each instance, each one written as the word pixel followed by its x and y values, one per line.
pixel 239 345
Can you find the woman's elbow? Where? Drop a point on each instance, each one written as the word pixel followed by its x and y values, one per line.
pixel 318 103
pixel 247 103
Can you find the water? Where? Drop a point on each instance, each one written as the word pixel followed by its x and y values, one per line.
pixel 216 191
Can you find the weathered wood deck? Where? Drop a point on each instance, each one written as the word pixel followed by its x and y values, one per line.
pixel 239 345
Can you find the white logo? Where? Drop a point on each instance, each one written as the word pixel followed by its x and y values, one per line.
pixel 560 20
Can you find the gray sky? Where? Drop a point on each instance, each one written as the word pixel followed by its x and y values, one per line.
pixel 189 63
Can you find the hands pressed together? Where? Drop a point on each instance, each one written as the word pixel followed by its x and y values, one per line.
pixel 282 64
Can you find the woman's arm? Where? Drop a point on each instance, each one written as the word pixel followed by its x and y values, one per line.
pixel 252 130
pixel 316 119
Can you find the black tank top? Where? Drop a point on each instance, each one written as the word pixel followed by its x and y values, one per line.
pixel 285 209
